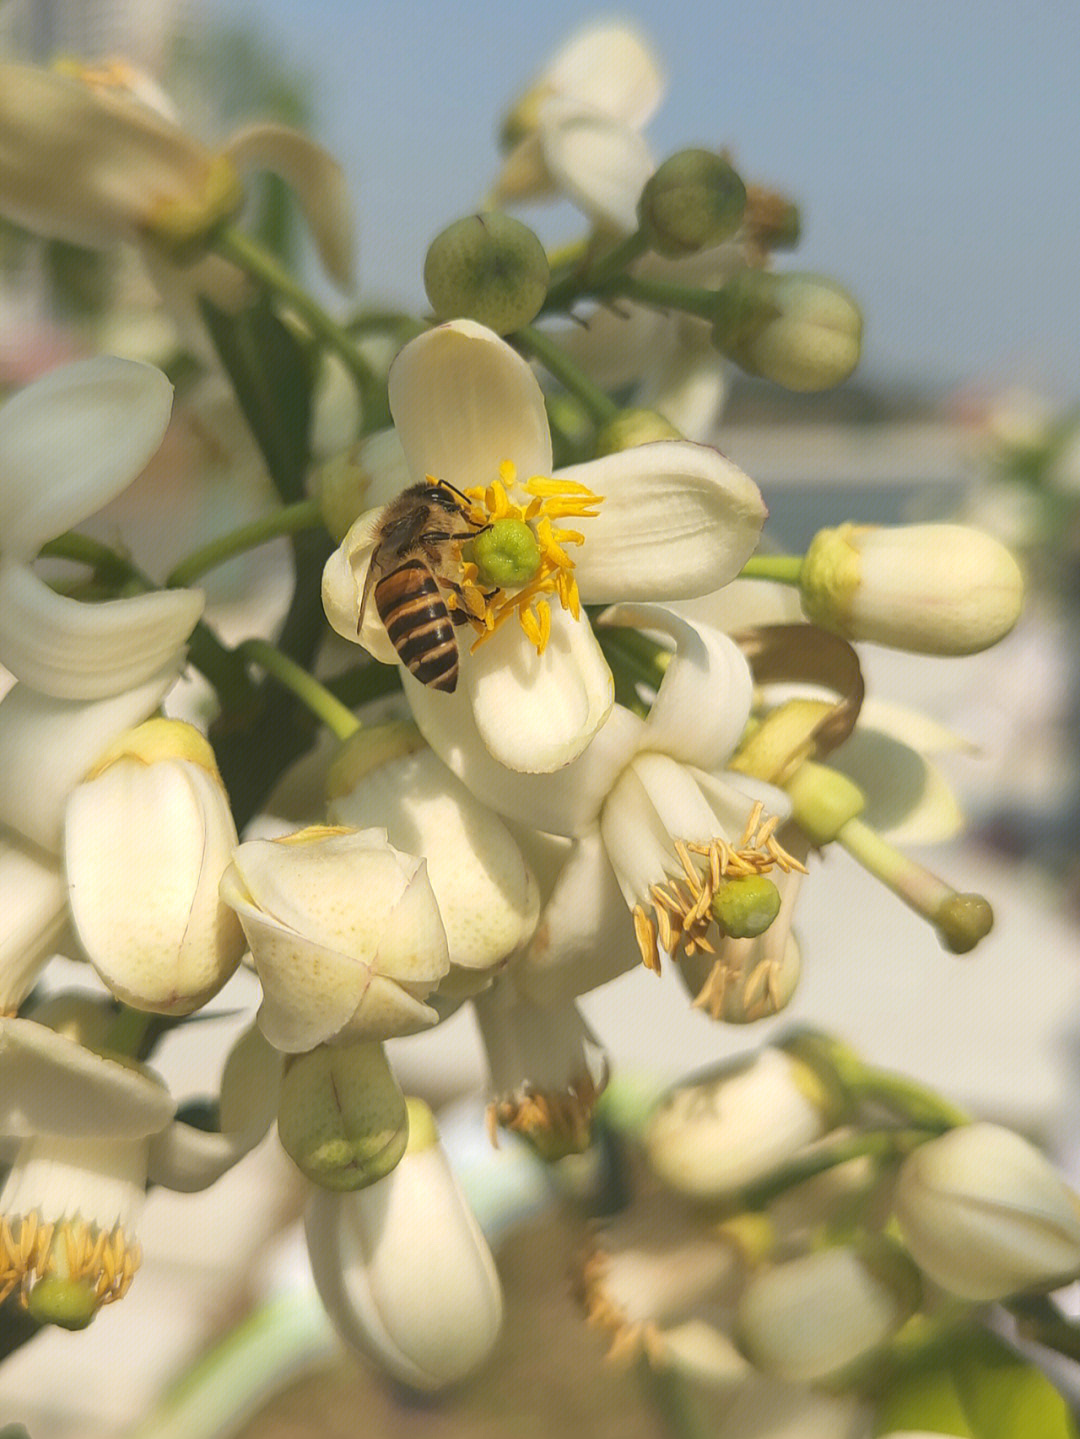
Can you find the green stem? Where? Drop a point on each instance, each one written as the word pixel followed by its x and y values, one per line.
pixel 913 1103
pixel 786 569
pixel 557 362
pixel 262 267
pixel 880 1144
pixel 581 280
pixel 667 295
pixel 318 699
pixel 289 520
pixel 128 1031
pixel 1039 1319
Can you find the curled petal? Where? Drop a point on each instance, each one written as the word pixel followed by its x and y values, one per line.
pixel 51 1085
pixel 463 402
pixel 678 520
pixel 596 160
pixel 33 900
pixel 315 176
pixel 74 440
pixel 72 650
pixel 611 66
pixel 704 662
pixel 343 583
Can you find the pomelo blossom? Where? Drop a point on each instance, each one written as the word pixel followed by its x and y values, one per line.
pixel 577 129
pixel 69 443
pixel 85 1132
pixel 33 898
pixel 664 519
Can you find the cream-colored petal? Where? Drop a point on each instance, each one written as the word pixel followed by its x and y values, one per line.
pixel 687 382
pixel 389 1011
pixel 585 935
pixel 51 1085
pixel 654 800
pixel 47 745
pixel 463 402
pixel 912 727
pixel 33 901
pixel 72 650
pixel 566 801
pixel 71 442
pixel 612 66
pixel 319 183
pixel 677 520
pixel 614 344
pixel 596 160
pixel 703 703
pixel 343 583
pixel 536 712
pixel 413 947
pixel 188 1159
pixel 742 604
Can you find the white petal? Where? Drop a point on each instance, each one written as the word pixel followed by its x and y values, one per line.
pixel 71 442
pixel 614 345
pixel 611 66
pixel 703 703
pixel 343 582
pixel 599 162
pixel 654 800
pixel 188 1159
pixel 463 402
pixel 742 604
pixel 51 1085
pixel 566 801
pixel 912 727
pixel 585 936
pixel 318 181
pixel 909 801
pixel 677 520
pixel 47 745
pixel 72 650
pixel 102 1181
pixel 33 901
pixel 686 381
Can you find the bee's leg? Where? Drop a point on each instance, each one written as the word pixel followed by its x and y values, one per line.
pixel 437 537
pixel 459 614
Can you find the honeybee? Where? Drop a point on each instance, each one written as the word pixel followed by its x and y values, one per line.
pixel 417 541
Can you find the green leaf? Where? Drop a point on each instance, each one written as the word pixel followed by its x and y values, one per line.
pixel 272 372
pixel 977 1388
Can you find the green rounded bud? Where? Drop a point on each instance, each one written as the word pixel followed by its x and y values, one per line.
pixel 693 201
pixel 745 907
pixel 634 427
pixel 963 920
pixel 506 554
pixel 68 1303
pixel 489 268
pixel 823 800
pixel 341 1116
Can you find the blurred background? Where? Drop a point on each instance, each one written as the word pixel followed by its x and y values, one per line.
pixel 932 152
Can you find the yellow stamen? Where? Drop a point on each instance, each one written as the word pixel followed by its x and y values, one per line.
pixel 557 1123
pixel 72 1248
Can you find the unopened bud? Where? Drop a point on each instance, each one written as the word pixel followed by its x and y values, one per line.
pixel 801 331
pixel 634 427
pixel 933 589
pixel 489 268
pixel 694 200
pixel 342 1117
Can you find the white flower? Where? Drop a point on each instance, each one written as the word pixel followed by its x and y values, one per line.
pixel 88 162
pixel 578 128
pixel 713 1137
pixel 33 900
pixel 89 1132
pixel 69 443
pixel 814 1316
pixel 345 934
pixel 147 838
pixel 404 1270
pixel 986 1215
pixel 674 519
pixel 485 891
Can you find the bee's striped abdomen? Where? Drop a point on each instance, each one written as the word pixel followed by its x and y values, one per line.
pixel 418 623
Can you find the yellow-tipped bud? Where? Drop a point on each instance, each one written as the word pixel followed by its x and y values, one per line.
pixel 802 331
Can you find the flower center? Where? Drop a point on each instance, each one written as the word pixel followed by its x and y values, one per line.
pixel 514 576
pixel 101 1261
pixel 555 1123
pixel 683 909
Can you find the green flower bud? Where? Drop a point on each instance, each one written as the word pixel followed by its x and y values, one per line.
pixel 489 268
pixel 69 1303
pixel 342 1117
pixel 506 554
pixel 634 427
pixel 802 331
pixel 745 907
pixel 693 201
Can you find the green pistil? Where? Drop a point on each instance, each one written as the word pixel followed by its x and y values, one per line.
pixel 506 554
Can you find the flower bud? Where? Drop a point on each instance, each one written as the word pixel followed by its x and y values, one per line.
pixel 345 934
pixel 634 427
pixel 404 1270
pixel 801 331
pixel 986 1215
pixel 934 589
pixel 719 1135
pixel 342 1117
pixel 148 836
pixel 694 200
pixel 816 1315
pixel 489 268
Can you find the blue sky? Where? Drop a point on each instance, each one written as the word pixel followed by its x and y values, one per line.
pixel 933 145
